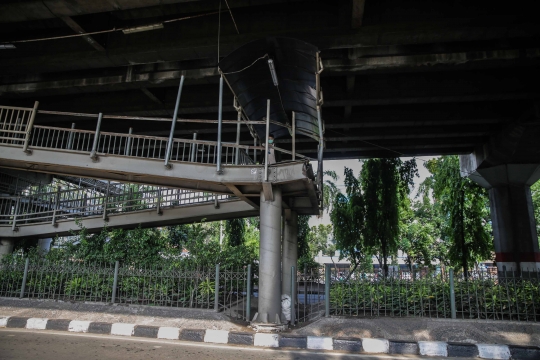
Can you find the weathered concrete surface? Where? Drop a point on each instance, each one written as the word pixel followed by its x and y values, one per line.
pixel 416 329
pixel 140 315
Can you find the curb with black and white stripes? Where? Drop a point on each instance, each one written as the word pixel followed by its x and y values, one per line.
pixel 354 345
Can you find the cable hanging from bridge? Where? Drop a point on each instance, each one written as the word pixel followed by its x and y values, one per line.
pixel 111 30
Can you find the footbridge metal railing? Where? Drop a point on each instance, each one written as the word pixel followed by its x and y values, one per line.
pixel 17 128
pixel 51 207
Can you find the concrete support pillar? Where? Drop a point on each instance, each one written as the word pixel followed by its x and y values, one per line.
pixel 6 246
pixel 514 228
pixel 270 259
pixel 44 245
pixel 290 250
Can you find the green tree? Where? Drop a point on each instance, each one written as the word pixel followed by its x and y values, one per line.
pixel 385 183
pixel 347 216
pixel 303 235
pixel 234 231
pixel 320 240
pixel 464 211
pixel 419 232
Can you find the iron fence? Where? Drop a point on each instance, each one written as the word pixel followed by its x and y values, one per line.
pixel 310 295
pixel 170 283
pixel 480 295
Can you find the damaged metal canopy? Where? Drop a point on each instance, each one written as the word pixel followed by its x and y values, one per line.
pixel 248 73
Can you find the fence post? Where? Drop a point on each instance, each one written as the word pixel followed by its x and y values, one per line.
pixel 105 202
pixel 220 120
pixel 239 118
pixel 293 294
pixel 56 205
pixel 248 302
pixel 29 129
pixel 216 290
pixel 266 140
pixel 293 136
pixel 23 285
pixel 452 294
pixel 327 289
pixel 127 151
pixel 115 281
pixel 14 226
pixel 93 154
pixel 158 207
pixel 173 124
pixel 70 137
pixel 193 148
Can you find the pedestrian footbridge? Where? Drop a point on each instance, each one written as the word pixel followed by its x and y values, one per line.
pixel 187 180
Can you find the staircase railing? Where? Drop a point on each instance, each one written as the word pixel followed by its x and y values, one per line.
pixel 53 206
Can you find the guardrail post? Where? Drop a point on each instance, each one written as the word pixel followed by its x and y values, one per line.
pixel 452 294
pixel 327 290
pixel 25 276
pixel 127 152
pixel 70 137
pixel 159 212
pixel 266 140
pixel 56 205
pixel 29 128
pixel 216 290
pixel 93 154
pixel 115 281
pixel 220 120
pixel 173 124
pixel 255 151
pixel 239 109
pixel 14 225
pixel 293 135
pixel 293 294
pixel 105 202
pixel 248 294
pixel 192 158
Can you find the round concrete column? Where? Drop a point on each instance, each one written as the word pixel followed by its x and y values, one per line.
pixel 6 246
pixel 270 259
pixel 514 228
pixel 44 245
pixel 290 251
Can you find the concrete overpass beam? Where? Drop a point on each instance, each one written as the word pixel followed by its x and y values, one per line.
pixel 270 260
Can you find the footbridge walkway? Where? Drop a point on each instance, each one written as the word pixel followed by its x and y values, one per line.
pixel 213 170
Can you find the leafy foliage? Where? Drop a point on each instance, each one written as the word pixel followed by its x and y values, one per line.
pixel 347 216
pixel 535 193
pixel 303 236
pixel 464 211
pixel 235 230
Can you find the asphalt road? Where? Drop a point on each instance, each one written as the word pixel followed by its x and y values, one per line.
pixel 51 345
